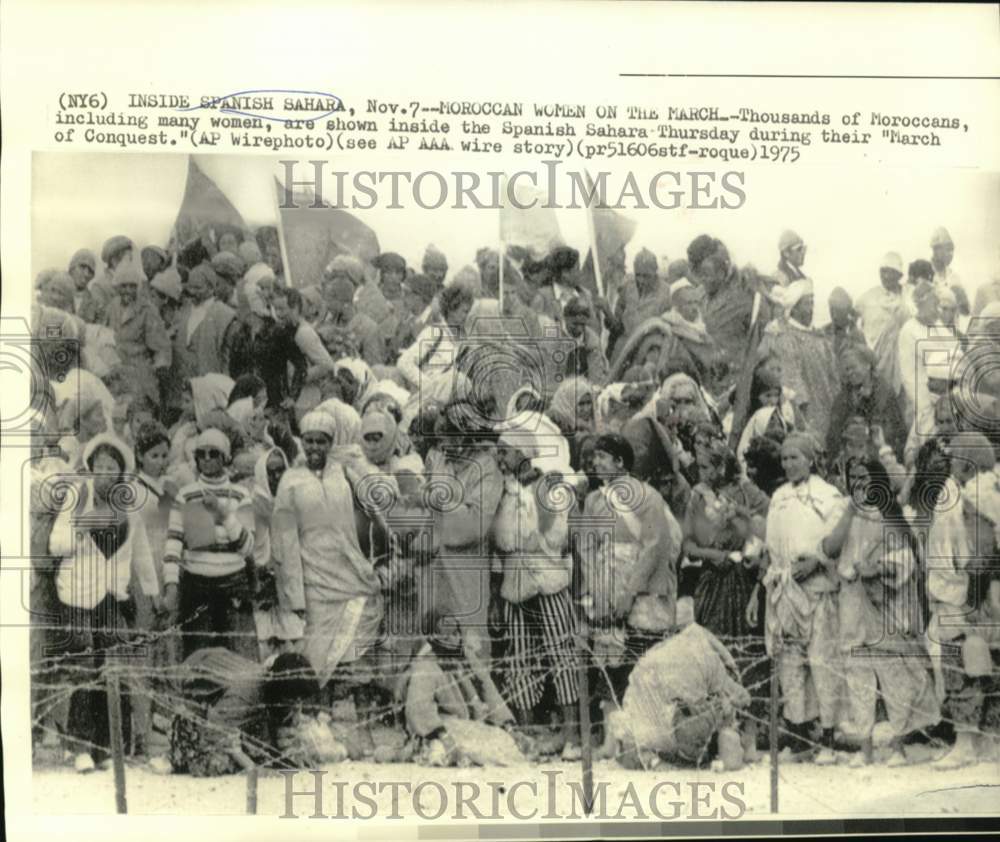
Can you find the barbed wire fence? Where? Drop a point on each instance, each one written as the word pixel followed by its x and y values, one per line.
pixel 123 675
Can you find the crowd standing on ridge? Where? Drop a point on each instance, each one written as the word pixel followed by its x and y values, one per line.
pixel 384 513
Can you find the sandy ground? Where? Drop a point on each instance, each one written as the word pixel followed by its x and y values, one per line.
pixel 806 791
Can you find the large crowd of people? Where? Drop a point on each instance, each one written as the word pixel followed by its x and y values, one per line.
pixel 430 503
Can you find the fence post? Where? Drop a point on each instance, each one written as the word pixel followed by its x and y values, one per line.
pixel 586 750
pixel 252 791
pixel 117 746
pixel 773 736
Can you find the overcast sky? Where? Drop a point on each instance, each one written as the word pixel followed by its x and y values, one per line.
pixel 849 217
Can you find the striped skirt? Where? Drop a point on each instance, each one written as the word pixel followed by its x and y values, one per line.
pixel 541 645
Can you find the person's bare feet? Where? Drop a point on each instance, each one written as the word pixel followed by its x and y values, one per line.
pixel 962 754
pixel 825 757
pixel 572 751
pixel 896 759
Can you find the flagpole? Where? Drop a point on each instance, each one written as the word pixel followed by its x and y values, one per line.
pixel 593 240
pixel 281 237
pixel 501 261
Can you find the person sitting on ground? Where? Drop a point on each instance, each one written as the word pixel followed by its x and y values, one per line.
pixel 680 705
pixel 443 708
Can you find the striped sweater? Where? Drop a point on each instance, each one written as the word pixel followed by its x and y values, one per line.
pixel 234 539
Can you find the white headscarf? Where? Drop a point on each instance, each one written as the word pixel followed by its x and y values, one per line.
pixel 362 372
pixel 318 421
pixel 251 288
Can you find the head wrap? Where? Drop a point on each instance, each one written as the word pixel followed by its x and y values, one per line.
pixel 791 295
pixel 213 437
pixel 892 260
pixel 341 289
pixel 645 260
pixel 259 272
pixel 168 282
pixel 567 396
pixel 112 441
pixel 486 254
pixel 153 260
pixel 421 286
pixel 83 257
pixel 346 430
pixel 314 297
pixel 348 266
pixel 467 276
pixel 765 380
pixel 62 284
pixel 941 237
pixel 680 383
pixel 390 262
pixel 677 269
pixel 256 275
pixel 149 434
pixel 923 291
pixel 205 272
pixel 386 389
pixel 987 323
pixel 840 299
pixel 128 275
pixel 210 391
pixel 261 484
pixel 789 239
pixel 241 411
pixel 618 446
pixel 803 443
pixel 856 432
pixel 534 435
pixel 857 360
pixel 249 252
pixel 512 410
pixel 318 421
pixel 242 466
pixel 611 409
pixel 44 277
pixel 360 371
pixel 680 285
pixel 378 453
pixel 434 259
pixel 115 246
pixel 228 265
pixel 89 392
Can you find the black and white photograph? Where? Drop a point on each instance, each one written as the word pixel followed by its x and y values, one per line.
pixel 422 453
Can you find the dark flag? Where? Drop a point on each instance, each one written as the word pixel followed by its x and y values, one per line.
pixel 312 237
pixel 205 214
pixel 610 231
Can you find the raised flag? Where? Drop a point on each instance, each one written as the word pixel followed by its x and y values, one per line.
pixel 312 237
pixel 610 232
pixel 205 210
pixel 527 223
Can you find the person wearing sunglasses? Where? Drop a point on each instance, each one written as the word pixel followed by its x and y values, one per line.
pixel 792 251
pixel 210 540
